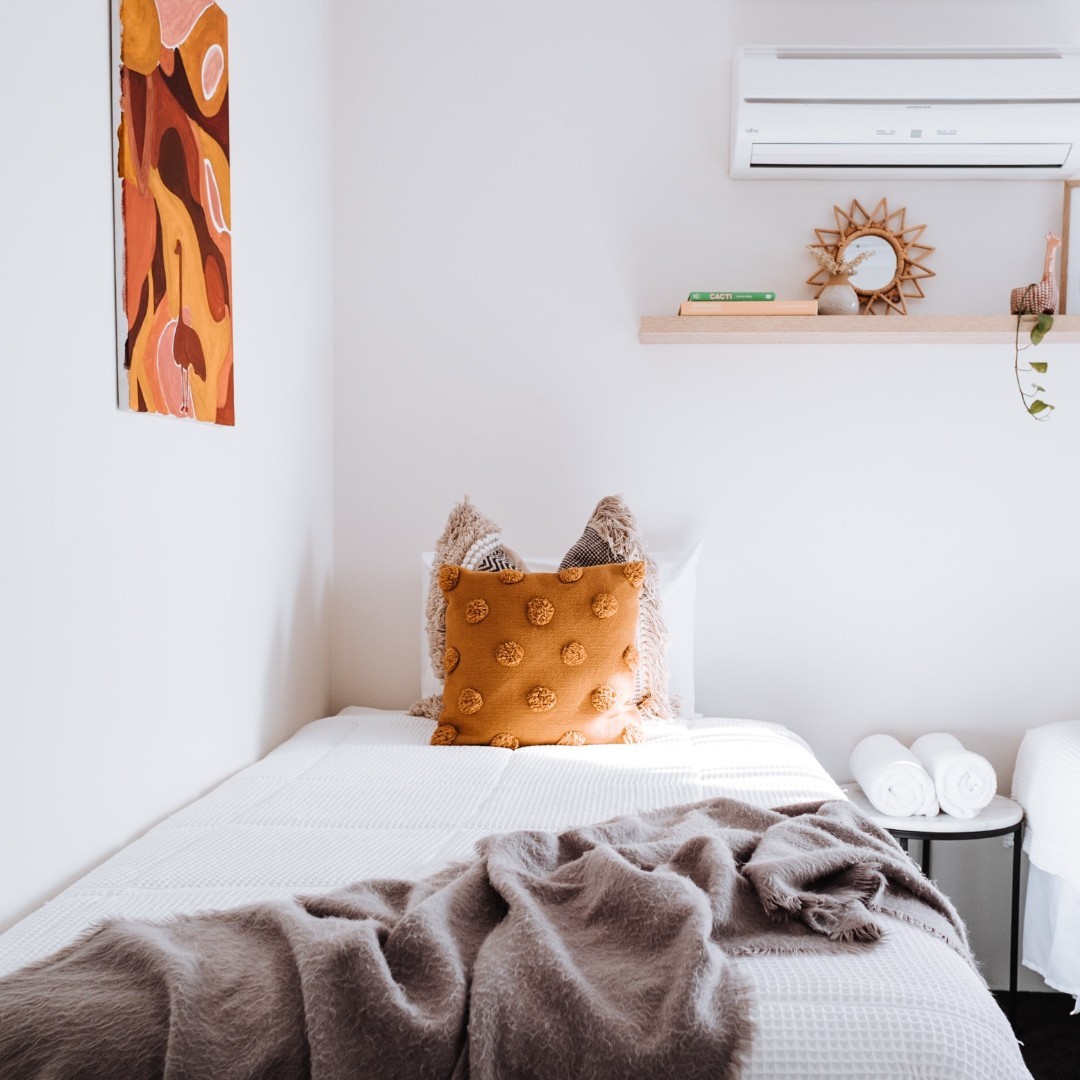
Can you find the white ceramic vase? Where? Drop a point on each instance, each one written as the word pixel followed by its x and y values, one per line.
pixel 838 298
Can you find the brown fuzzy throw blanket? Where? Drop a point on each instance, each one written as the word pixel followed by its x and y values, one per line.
pixel 604 951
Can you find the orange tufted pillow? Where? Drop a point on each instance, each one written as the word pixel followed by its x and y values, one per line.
pixel 538 659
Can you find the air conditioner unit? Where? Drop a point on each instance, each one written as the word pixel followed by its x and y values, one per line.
pixel 913 113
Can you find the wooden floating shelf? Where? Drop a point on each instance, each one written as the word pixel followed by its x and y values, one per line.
pixel 846 329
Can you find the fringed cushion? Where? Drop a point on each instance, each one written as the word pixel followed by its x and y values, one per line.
pixel 612 535
pixel 540 659
pixel 475 542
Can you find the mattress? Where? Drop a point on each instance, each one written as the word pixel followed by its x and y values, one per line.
pixel 1044 783
pixel 362 795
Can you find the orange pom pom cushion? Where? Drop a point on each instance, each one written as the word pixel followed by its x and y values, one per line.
pixel 474 542
pixel 540 659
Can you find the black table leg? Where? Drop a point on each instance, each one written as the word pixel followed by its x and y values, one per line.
pixel 1018 834
pixel 926 858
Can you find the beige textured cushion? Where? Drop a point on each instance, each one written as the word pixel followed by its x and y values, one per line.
pixel 471 540
pixel 540 659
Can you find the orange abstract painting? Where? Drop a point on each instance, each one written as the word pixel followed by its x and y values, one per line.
pixel 173 209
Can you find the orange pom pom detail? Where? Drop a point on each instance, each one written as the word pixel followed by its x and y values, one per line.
pixel 569 574
pixel 541 699
pixel 470 701
pixel 476 611
pixel 509 653
pixel 450 659
pixel 603 698
pixel 572 738
pixel 574 654
pixel 604 605
pixel 540 611
pixel 506 741
pixel 443 735
pixel 449 576
pixel 635 573
pixel 511 577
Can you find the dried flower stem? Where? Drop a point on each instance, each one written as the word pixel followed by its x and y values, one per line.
pixel 833 263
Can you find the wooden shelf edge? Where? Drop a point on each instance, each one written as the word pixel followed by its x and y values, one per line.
pixel 844 329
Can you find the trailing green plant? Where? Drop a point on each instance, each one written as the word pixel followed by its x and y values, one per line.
pixel 1035 406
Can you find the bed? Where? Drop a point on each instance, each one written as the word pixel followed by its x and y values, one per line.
pixel 1045 784
pixel 362 795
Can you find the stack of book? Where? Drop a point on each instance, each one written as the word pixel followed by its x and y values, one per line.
pixel 744 303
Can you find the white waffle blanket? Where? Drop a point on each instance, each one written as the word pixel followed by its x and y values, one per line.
pixel 362 795
pixel 1046 783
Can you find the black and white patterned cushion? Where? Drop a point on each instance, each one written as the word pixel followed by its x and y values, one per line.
pixel 590 550
pixel 487 553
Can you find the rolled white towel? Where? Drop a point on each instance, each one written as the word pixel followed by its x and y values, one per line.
pixel 892 777
pixel 964 781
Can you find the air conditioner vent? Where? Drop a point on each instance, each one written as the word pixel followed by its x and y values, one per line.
pixel 928 156
pixel 919 54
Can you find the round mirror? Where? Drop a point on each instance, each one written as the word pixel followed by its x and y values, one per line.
pixel 876 273
pixel 892 252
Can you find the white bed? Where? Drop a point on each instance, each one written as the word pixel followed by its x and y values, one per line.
pixel 1045 783
pixel 362 795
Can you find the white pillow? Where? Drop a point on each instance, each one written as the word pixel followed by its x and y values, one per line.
pixel 677 571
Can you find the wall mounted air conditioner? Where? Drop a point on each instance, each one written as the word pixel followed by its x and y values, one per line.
pixel 914 113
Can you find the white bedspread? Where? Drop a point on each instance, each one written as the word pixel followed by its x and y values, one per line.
pixel 361 795
pixel 1046 782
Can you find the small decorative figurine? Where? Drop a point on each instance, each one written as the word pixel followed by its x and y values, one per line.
pixel 1040 297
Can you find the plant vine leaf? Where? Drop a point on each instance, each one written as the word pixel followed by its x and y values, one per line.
pixel 1041 328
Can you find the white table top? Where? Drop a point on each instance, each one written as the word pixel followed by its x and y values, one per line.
pixel 1001 813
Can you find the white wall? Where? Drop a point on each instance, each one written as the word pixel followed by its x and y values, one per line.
pixel 164 609
pixel 890 542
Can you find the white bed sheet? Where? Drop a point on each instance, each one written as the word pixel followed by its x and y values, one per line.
pixel 1045 784
pixel 362 795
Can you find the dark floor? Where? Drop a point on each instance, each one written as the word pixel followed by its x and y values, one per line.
pixel 1050 1036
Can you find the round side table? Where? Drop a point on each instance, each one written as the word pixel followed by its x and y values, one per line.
pixel 1000 817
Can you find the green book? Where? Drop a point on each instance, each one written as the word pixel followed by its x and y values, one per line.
pixel 732 296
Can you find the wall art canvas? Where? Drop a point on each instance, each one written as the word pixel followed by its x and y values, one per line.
pixel 174 306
